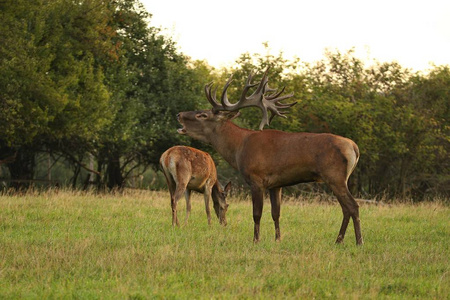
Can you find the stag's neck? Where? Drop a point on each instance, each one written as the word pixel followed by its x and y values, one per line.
pixel 227 139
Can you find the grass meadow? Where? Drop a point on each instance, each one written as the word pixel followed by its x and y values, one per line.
pixel 74 245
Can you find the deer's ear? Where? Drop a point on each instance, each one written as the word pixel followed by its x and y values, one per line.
pixel 234 115
pixel 227 187
pixel 228 115
pixel 201 116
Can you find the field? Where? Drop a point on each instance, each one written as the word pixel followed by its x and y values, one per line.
pixel 86 246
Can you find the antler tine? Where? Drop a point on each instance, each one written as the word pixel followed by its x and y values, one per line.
pixel 247 87
pixel 286 105
pixel 243 101
pixel 273 105
pixel 224 99
pixel 264 97
pixel 262 87
pixel 212 98
pixel 275 94
pixel 276 100
pixel 248 84
pixel 279 113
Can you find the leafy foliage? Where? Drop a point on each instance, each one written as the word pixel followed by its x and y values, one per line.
pixel 398 119
pixel 93 83
pixel 52 90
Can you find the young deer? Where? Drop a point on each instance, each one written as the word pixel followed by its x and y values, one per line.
pixel 188 169
pixel 272 159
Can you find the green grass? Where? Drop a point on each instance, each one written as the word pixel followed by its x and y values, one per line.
pixel 82 246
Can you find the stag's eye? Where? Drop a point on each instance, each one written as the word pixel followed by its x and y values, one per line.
pixel 201 116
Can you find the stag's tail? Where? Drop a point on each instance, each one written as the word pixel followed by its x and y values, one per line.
pixel 355 160
pixel 352 158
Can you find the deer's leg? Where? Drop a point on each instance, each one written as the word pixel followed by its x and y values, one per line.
pixel 357 225
pixel 207 196
pixel 187 195
pixel 353 209
pixel 344 225
pixel 258 202
pixel 172 187
pixel 275 201
pixel 354 212
pixel 173 204
pixel 179 191
pixel 350 208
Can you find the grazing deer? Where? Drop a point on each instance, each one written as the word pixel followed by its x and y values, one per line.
pixel 272 159
pixel 188 169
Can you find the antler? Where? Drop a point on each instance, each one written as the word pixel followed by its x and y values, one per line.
pixel 259 99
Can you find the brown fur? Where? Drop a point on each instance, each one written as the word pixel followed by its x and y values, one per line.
pixel 188 169
pixel 272 159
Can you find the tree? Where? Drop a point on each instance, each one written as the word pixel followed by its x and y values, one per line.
pixel 150 84
pixel 429 96
pixel 398 119
pixel 49 80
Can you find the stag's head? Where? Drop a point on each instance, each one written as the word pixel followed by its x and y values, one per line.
pixel 199 124
pixel 219 195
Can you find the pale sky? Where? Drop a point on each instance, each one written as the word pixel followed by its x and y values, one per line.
pixel 413 33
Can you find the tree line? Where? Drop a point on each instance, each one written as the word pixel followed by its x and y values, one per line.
pixel 93 84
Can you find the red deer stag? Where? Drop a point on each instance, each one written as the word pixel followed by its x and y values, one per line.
pixel 188 169
pixel 272 159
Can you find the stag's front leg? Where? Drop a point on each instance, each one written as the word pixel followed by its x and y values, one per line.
pixel 275 201
pixel 258 202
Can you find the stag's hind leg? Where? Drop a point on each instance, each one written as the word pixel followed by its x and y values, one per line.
pixel 349 209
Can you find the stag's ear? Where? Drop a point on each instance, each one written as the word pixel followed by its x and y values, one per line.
pixel 201 116
pixel 228 115
pixel 233 115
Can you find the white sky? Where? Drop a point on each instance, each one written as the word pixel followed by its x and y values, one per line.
pixel 411 32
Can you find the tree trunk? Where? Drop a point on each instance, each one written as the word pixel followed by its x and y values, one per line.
pixel 114 174
pixel 76 172
pixel 22 168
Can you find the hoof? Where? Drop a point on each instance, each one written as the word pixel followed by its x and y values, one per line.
pixel 340 239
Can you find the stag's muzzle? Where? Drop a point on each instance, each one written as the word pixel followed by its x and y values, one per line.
pixel 180 130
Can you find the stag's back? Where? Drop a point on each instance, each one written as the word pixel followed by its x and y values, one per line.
pixel 280 158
